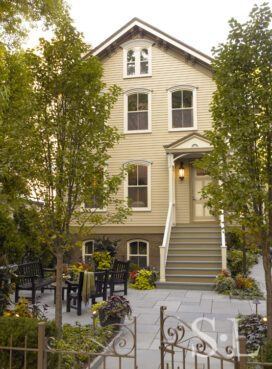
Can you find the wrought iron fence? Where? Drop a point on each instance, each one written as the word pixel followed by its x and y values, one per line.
pixel 123 346
pixel 182 347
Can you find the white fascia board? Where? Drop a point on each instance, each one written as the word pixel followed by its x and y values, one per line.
pixel 155 33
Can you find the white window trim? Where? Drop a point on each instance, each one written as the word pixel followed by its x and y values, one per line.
pixel 94 210
pixel 148 165
pixel 149 114
pixel 83 249
pixel 137 45
pixel 147 249
pixel 179 88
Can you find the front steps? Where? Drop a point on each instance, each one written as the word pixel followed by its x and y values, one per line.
pixel 194 256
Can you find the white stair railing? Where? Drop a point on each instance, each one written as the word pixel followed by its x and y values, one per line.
pixel 165 243
pixel 223 242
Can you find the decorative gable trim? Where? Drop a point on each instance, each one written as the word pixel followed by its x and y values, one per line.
pixel 136 22
pixel 193 142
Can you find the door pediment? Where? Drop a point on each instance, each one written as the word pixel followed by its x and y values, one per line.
pixel 193 142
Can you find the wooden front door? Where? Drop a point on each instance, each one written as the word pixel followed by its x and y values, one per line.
pixel 199 211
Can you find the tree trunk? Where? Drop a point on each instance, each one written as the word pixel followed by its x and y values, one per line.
pixel 268 283
pixel 58 307
pixel 244 253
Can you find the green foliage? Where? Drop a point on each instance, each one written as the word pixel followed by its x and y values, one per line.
pixel 23 309
pixel 79 338
pixel 233 241
pixel 235 261
pixel 133 267
pixel 107 245
pixel 7 284
pixel 13 12
pixel 144 280
pixel 19 328
pixel 268 352
pixel 115 307
pixel 241 137
pixel 103 260
pixel 240 287
pixel 254 329
pixel 225 285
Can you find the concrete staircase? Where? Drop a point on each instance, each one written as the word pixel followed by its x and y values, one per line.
pixel 194 256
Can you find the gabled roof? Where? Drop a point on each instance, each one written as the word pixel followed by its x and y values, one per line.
pixel 137 25
pixel 192 143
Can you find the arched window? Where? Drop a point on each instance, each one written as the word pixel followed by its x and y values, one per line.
pixel 87 249
pixel 138 252
pixel 182 108
pixel 137 58
pixel 130 62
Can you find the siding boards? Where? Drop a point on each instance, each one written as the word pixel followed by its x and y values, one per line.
pixel 168 69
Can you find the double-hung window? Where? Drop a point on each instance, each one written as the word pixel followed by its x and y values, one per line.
pixel 182 108
pixel 137 112
pixel 138 252
pixel 137 58
pixel 95 201
pixel 138 186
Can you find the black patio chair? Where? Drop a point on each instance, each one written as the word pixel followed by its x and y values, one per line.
pixel 118 276
pixel 74 290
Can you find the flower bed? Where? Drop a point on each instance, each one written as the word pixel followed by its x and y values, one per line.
pixel 237 287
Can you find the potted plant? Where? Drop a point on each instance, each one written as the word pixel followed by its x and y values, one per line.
pixel 112 311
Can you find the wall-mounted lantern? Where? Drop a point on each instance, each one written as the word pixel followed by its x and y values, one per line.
pixel 181 171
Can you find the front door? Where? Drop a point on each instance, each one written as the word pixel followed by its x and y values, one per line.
pixel 199 211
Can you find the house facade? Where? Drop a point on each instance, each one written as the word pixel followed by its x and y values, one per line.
pixel 163 112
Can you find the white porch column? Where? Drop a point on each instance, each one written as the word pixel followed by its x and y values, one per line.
pixel 171 186
pixel 162 264
pixel 223 245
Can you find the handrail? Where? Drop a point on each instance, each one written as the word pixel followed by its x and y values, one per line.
pixel 223 242
pixel 167 231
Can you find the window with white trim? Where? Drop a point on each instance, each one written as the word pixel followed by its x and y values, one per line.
pixel 138 186
pixel 137 103
pixel 138 252
pixel 95 201
pixel 137 58
pixel 182 108
pixel 87 249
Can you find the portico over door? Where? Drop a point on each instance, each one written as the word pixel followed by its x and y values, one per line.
pixel 199 179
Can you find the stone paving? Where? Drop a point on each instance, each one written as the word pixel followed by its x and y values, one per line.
pixel 187 305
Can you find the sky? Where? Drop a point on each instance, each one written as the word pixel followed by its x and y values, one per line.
pixel 201 24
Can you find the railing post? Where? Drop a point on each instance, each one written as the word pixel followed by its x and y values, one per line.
pixel 162 264
pixel 223 242
pixel 41 344
pixel 162 308
pixel 242 353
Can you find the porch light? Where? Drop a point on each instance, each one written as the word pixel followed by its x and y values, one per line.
pixel 181 171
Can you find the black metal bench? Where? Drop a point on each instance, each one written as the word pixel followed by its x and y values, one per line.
pixel 31 278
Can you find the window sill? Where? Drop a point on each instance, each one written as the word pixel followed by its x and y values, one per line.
pixel 137 76
pixel 93 210
pixel 140 209
pixel 139 131
pixel 182 129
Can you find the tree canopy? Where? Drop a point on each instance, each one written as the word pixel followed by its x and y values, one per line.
pixel 241 161
pixel 55 141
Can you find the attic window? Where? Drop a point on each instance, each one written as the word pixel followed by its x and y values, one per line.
pixel 137 58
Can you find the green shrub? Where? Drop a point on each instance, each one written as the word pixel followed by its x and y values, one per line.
pixel 79 338
pixel 225 285
pixel 233 241
pixel 133 267
pixel 103 260
pixel 144 280
pixel 268 353
pixel 254 329
pixel 19 328
pixel 235 261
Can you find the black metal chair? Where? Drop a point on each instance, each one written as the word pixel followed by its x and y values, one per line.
pixel 118 276
pixel 74 290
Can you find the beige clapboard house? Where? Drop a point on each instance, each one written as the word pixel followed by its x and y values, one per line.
pixel 167 87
